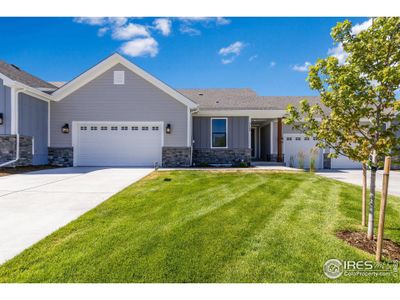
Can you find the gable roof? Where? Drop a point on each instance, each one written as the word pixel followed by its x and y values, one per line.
pixel 241 99
pixel 108 63
pixel 15 73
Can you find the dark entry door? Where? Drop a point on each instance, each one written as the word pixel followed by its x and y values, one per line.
pixel 253 142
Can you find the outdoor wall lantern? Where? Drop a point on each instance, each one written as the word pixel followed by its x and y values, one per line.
pixel 168 129
pixel 65 128
pixel 1 119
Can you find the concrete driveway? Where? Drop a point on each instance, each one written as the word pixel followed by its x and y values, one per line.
pixel 354 177
pixel 33 205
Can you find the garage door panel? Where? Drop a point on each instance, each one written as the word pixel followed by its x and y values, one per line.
pixel 118 144
pixel 296 143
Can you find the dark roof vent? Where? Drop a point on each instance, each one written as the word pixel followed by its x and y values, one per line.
pixel 16 67
pixel 201 94
pixel 217 101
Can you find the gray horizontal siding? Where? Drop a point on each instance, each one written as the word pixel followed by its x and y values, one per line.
pixel 33 122
pixel 136 100
pixel 5 108
pixel 238 132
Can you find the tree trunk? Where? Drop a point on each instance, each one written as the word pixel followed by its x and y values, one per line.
pixel 372 198
pixel 364 196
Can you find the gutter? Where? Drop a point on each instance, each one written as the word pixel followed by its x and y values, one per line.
pixel 16 94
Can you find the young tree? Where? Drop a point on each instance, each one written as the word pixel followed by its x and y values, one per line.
pixel 358 115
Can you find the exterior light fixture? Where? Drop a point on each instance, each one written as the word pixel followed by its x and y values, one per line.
pixel 1 119
pixel 65 128
pixel 168 129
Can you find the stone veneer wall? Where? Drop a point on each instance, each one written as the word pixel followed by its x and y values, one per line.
pixel 61 156
pixel 176 156
pixel 8 148
pixel 221 156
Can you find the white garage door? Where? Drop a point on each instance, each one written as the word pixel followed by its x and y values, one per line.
pixel 293 144
pixel 117 143
pixel 342 162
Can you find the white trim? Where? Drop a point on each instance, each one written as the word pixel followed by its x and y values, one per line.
pixel 75 125
pixel 48 124
pixel 254 114
pixel 108 63
pixel 189 127
pixel 211 132
pixel 272 137
pixel 249 132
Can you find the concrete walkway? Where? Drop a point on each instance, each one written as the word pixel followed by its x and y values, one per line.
pixel 33 205
pixel 355 177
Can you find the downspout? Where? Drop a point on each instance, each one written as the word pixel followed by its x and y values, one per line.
pixel 15 117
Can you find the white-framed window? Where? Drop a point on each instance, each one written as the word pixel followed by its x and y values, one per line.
pixel 306 138
pixel 83 128
pixel 114 127
pixel 103 128
pixel 93 128
pixel 135 128
pixel 145 128
pixel 154 128
pixel 288 138
pixel 219 133
pixel 298 138
pixel 119 77
pixel 124 127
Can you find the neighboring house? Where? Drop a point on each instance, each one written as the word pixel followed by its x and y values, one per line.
pixel 116 114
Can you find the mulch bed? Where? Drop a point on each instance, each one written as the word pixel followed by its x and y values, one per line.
pixel 19 170
pixel 359 240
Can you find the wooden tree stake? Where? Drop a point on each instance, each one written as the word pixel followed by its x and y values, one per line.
pixel 382 210
pixel 364 195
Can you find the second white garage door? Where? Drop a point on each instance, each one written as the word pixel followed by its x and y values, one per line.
pixel 117 143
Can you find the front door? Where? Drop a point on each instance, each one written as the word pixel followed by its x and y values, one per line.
pixel 253 143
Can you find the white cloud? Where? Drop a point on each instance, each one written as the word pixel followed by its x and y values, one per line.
pixel 302 68
pixel 226 61
pixel 253 57
pixel 356 29
pixel 234 48
pixel 102 31
pixel 272 64
pixel 186 29
pixel 163 25
pixel 222 21
pixel 130 31
pixel 94 21
pixel 140 47
pixel 339 53
pixel 117 21
pixel 231 52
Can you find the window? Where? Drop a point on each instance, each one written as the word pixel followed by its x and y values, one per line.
pixel 124 127
pixel 135 128
pixel 119 77
pixel 306 138
pixel 145 128
pixel 103 128
pixel 154 128
pixel 298 138
pixel 219 133
pixel 114 127
pixel 83 128
pixel 288 138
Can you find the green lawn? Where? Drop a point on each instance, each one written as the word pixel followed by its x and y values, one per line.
pixel 201 226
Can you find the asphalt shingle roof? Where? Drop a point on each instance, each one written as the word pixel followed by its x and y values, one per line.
pixel 231 99
pixel 15 73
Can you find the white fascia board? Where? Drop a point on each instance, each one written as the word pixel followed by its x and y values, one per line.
pixel 26 88
pixel 109 63
pixel 254 114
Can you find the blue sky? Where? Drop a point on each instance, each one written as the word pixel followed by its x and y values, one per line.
pixel 266 54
